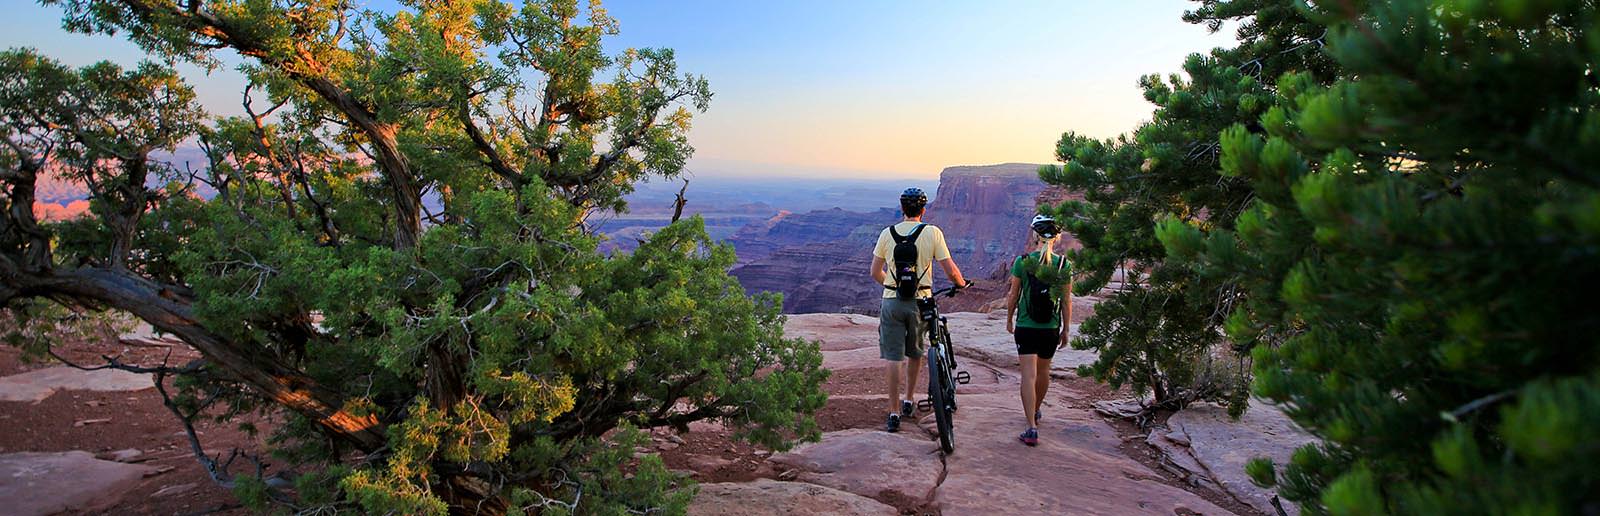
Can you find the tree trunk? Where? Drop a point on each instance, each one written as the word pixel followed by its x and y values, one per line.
pixel 167 312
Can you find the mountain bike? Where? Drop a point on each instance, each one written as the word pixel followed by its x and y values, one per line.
pixel 943 375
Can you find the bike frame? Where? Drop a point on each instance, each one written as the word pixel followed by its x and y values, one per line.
pixel 942 374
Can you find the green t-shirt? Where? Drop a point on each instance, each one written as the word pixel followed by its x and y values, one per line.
pixel 1017 270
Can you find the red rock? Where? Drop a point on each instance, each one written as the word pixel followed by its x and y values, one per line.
pixel 869 462
pixel 1222 446
pixel 1077 467
pixel 836 332
pixel 39 384
pixel 770 497
pixel 47 483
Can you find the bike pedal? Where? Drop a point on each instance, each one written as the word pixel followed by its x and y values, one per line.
pixel 924 404
pixel 963 378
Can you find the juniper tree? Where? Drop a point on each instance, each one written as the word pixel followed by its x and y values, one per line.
pixel 1422 238
pixel 1161 333
pixel 391 251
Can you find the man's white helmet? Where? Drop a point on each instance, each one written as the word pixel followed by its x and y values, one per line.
pixel 1045 226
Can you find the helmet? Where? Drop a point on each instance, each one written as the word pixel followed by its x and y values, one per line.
pixel 913 197
pixel 1045 226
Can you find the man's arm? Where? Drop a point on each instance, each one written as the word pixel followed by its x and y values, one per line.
pixel 880 255
pixel 953 272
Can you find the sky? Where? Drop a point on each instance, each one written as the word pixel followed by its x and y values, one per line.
pixel 857 89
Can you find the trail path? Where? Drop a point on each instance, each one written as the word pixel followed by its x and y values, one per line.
pixel 1077 468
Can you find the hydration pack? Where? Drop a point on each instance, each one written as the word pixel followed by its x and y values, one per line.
pixel 906 279
pixel 1041 305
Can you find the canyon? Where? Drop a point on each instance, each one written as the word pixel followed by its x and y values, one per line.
pixel 807 239
pixel 820 260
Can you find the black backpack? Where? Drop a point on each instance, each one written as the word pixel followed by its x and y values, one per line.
pixel 1041 305
pixel 906 279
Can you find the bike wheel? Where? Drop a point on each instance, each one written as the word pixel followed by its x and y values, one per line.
pixel 938 393
pixel 950 367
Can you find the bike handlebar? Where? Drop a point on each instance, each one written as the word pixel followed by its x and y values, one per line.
pixel 951 291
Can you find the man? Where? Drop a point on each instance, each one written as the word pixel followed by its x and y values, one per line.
pixel 900 337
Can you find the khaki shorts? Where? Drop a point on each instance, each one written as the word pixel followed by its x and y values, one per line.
pixel 900 330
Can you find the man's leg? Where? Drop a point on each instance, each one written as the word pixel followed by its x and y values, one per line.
pixel 894 387
pixel 913 366
pixel 916 347
pixel 892 348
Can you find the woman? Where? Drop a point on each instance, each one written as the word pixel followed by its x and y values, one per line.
pixel 1036 309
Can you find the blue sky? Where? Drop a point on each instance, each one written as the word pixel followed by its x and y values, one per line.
pixel 848 89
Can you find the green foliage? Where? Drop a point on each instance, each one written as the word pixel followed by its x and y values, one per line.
pixel 1058 275
pixel 500 360
pixel 1411 250
pixel 1159 191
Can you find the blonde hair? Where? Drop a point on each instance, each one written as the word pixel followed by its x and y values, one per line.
pixel 1045 246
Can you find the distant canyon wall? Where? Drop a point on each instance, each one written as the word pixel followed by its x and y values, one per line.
pixel 820 260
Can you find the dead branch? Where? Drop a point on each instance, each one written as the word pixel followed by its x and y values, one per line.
pixel 677 205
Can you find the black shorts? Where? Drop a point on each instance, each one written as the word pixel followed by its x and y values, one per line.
pixel 1037 341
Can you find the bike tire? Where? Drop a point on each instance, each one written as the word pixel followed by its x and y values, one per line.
pixel 938 392
pixel 950 368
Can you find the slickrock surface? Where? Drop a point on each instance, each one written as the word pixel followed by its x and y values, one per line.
pixel 47 483
pixel 770 497
pixel 1203 434
pixel 870 462
pixel 39 384
pixel 1078 468
pixel 984 336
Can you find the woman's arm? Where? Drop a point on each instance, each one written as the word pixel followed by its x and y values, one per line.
pixel 1011 304
pixel 1066 314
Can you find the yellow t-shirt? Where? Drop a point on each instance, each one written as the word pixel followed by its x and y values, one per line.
pixel 930 247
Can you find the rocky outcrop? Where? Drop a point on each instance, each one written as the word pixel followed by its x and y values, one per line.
pixel 39 384
pixel 869 462
pixel 770 497
pixel 1211 448
pixel 49 483
pixel 984 212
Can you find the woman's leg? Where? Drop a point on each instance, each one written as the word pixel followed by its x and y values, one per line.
pixel 1030 399
pixel 1041 382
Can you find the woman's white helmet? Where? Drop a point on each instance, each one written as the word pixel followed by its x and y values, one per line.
pixel 1045 226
